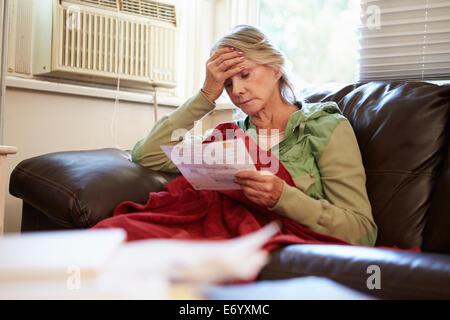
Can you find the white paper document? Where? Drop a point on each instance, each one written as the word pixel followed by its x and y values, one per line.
pixel 49 254
pixel 195 261
pixel 211 166
pixel 99 264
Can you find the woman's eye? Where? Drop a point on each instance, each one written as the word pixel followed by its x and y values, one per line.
pixel 245 75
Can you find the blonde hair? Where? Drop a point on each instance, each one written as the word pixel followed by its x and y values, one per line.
pixel 257 46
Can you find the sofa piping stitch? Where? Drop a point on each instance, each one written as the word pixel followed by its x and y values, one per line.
pixel 63 188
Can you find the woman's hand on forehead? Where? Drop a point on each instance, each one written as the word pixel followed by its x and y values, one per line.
pixel 222 65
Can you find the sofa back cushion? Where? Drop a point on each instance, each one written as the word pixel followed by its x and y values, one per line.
pixel 402 130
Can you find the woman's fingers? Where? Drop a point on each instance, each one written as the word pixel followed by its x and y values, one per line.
pixel 226 61
pixel 258 197
pixel 226 56
pixel 254 184
pixel 223 64
pixel 233 71
pixel 251 193
pixel 255 175
pixel 221 51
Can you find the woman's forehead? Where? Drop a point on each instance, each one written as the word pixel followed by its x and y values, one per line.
pixel 251 66
pixel 249 63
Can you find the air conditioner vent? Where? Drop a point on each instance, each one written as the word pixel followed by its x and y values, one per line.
pixel 93 44
pixel 152 9
pixel 147 8
pixel 102 3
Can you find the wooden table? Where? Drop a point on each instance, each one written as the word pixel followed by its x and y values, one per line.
pixel 4 152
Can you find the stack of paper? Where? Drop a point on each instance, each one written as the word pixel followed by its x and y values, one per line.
pixel 196 261
pixel 48 255
pixel 98 264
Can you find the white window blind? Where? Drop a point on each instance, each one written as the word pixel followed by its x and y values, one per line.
pixel 404 39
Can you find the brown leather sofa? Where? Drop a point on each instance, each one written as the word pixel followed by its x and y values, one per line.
pixel 403 131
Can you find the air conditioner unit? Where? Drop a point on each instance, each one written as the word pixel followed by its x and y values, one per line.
pixel 101 40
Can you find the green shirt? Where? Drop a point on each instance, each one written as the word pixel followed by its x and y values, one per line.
pixel 319 150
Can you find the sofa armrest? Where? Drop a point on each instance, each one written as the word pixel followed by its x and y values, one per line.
pixel 77 189
pixel 403 274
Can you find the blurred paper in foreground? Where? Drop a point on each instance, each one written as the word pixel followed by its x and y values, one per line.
pixel 46 265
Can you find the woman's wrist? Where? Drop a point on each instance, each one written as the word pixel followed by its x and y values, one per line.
pixel 208 96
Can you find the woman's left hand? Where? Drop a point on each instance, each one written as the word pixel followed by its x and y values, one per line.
pixel 261 187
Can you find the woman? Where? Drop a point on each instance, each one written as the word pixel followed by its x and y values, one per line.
pixel 316 145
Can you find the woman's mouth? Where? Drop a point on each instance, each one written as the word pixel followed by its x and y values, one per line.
pixel 246 102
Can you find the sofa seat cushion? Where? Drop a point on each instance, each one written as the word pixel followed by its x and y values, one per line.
pixel 403 274
pixel 77 189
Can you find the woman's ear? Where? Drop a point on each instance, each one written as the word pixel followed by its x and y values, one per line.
pixel 278 74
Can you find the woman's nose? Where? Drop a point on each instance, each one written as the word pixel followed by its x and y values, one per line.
pixel 238 88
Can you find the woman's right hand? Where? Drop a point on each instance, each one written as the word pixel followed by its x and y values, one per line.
pixel 223 64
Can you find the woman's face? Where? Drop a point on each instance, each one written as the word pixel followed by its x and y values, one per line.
pixel 255 87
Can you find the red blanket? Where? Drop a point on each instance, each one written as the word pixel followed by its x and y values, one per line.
pixel 181 212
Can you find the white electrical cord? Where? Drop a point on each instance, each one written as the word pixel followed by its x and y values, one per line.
pixel 4 53
pixel 113 126
pixel 155 105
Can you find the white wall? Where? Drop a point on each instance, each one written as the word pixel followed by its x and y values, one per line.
pixel 42 122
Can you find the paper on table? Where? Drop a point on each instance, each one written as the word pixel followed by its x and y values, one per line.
pixel 211 166
pixel 196 261
pixel 50 254
pixel 35 266
pixel 69 264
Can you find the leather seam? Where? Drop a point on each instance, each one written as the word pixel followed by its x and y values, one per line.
pixel 62 188
pixel 50 217
pixel 400 172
